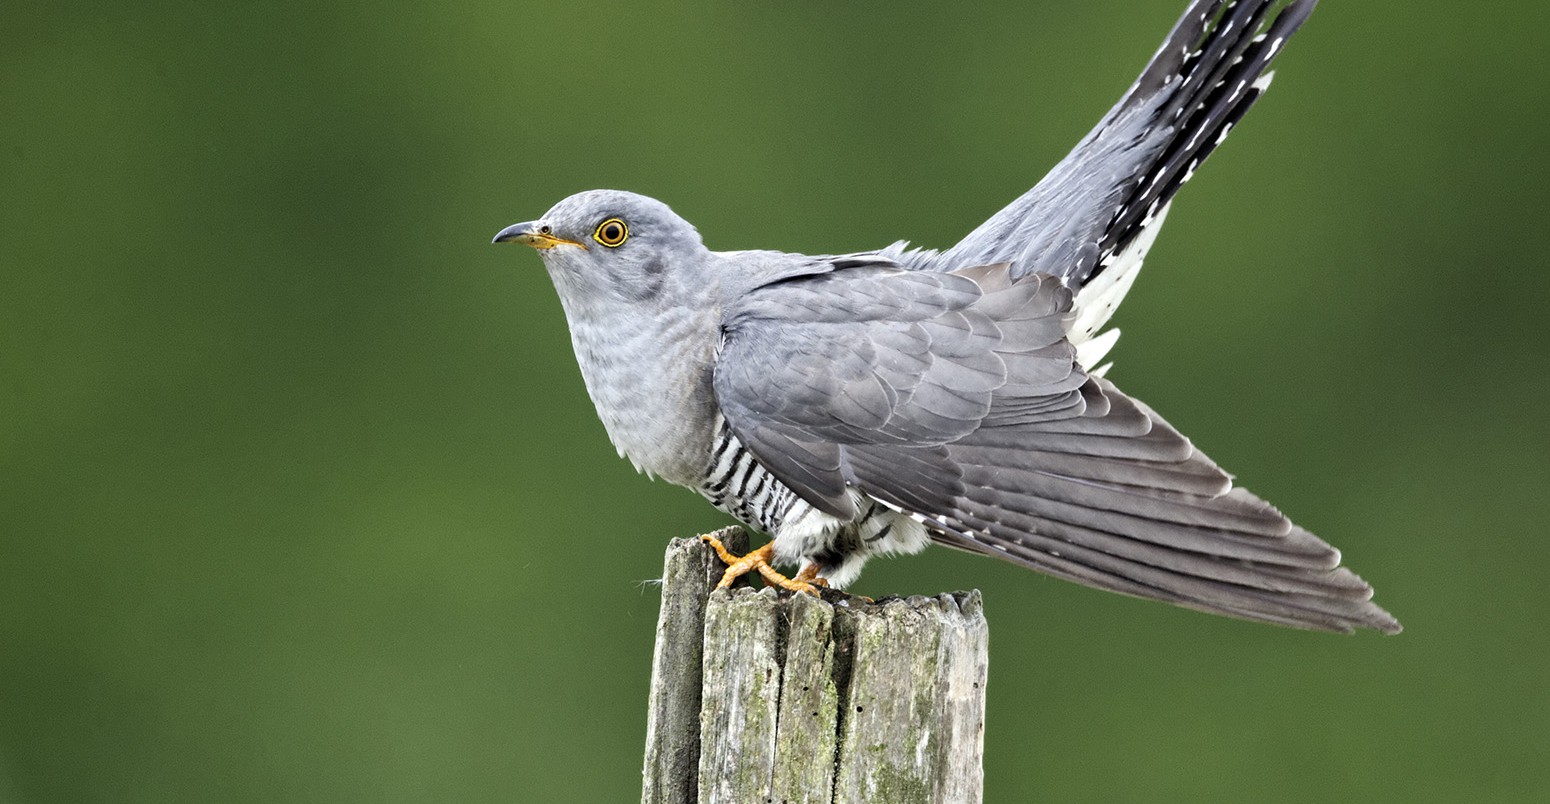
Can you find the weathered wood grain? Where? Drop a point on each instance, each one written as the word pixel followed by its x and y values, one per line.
pixel 759 696
pixel 913 726
pixel 690 570
pixel 809 707
pixel 739 708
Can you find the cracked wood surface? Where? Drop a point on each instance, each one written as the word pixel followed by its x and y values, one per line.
pixel 765 697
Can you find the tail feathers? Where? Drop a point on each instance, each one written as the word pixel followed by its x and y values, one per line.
pixel 1305 597
pixel 1220 82
pixel 1118 499
pixel 1128 576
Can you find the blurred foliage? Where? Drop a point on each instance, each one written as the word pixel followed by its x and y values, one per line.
pixel 301 497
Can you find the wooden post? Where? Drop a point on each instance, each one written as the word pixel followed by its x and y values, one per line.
pixel 765 697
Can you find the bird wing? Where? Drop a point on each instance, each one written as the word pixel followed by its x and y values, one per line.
pixel 956 398
pixel 1113 184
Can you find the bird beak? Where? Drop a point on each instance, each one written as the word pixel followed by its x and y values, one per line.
pixel 532 233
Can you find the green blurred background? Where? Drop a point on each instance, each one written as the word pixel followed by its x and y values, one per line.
pixel 300 488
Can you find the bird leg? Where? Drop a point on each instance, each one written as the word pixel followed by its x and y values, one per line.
pixel 806 581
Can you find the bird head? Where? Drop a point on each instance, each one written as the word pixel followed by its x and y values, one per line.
pixel 610 241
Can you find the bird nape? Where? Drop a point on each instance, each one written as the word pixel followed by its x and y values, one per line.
pixel 873 403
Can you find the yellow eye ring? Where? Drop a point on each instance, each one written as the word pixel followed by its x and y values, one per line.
pixel 611 233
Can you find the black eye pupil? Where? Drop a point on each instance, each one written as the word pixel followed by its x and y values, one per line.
pixel 611 231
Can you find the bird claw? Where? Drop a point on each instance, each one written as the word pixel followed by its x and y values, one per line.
pixel 737 566
pixel 809 574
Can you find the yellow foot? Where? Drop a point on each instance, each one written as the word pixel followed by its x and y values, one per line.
pixel 806 581
pixel 809 574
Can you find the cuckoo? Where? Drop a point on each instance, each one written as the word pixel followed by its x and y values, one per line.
pixel 873 403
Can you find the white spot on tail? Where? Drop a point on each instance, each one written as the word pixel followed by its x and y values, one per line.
pixel 1090 351
pixel 1101 296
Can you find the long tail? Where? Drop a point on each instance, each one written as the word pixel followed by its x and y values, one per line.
pixel 1116 498
pixel 1085 213
pixel 1220 82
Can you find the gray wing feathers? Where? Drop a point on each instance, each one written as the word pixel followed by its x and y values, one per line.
pixel 1123 501
pixel 1111 185
pixel 954 397
pixel 860 356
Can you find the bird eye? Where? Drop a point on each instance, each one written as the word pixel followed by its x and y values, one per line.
pixel 611 233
